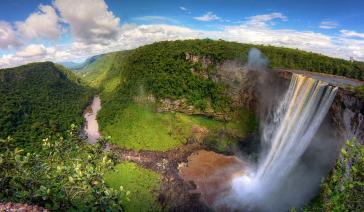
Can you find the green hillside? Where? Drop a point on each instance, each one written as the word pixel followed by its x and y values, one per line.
pixel 42 105
pixel 38 100
pixel 104 71
pixel 42 159
pixel 167 59
pixel 162 70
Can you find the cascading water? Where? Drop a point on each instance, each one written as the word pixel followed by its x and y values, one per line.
pixel 294 125
pixel 306 105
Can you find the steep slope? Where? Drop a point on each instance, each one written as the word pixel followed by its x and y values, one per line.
pixel 39 99
pixel 185 76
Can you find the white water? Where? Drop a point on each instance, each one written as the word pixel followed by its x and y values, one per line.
pixel 295 123
pixel 305 106
pixel 92 127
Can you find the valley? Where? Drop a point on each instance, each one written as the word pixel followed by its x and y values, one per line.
pixel 185 124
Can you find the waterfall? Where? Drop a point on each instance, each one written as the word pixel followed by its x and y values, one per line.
pixel 301 112
pixel 295 123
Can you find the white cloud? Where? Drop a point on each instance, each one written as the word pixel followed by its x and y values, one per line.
pixel 345 45
pixel 328 25
pixel 351 34
pixel 8 37
pixel 32 50
pixel 34 53
pixel 209 16
pixel 265 19
pixel 41 24
pixel 90 20
pixel 156 19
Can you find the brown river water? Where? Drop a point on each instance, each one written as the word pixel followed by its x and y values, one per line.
pixel 91 128
pixel 211 173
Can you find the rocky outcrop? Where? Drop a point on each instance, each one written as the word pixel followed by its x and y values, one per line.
pixel 240 82
pixel 204 60
pixel 201 65
pixel 348 113
pixel 181 105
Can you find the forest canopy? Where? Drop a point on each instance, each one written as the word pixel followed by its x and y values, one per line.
pixel 38 100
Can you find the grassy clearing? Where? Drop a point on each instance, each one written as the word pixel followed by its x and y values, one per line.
pixel 142 184
pixel 140 127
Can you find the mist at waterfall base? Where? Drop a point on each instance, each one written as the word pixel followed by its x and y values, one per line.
pixel 298 143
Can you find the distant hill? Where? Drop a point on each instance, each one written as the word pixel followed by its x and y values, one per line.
pixel 38 100
pixel 104 71
pixel 72 65
pixel 80 66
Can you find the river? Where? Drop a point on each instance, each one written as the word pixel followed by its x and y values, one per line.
pixel 91 128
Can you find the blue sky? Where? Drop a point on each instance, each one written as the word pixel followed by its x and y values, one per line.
pixel 69 30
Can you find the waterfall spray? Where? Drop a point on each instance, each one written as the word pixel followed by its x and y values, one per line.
pixel 295 123
pixel 305 104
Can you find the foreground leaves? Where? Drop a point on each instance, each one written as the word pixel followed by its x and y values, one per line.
pixel 343 190
pixel 66 175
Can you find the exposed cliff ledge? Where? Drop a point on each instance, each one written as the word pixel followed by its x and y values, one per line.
pixel 180 105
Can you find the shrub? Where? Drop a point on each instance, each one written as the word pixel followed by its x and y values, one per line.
pixel 66 174
pixel 343 190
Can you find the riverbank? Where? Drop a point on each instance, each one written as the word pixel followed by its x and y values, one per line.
pixel 168 190
pixel 91 127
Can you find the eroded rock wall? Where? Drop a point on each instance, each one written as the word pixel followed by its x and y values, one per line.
pixel 347 112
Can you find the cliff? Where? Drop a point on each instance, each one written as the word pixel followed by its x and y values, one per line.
pixel 347 110
pixel 259 90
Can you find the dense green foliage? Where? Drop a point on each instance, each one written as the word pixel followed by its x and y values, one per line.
pixel 162 69
pixel 67 174
pixel 170 56
pixel 105 71
pixel 280 57
pixel 343 190
pixel 139 127
pixel 38 100
pixel 142 183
